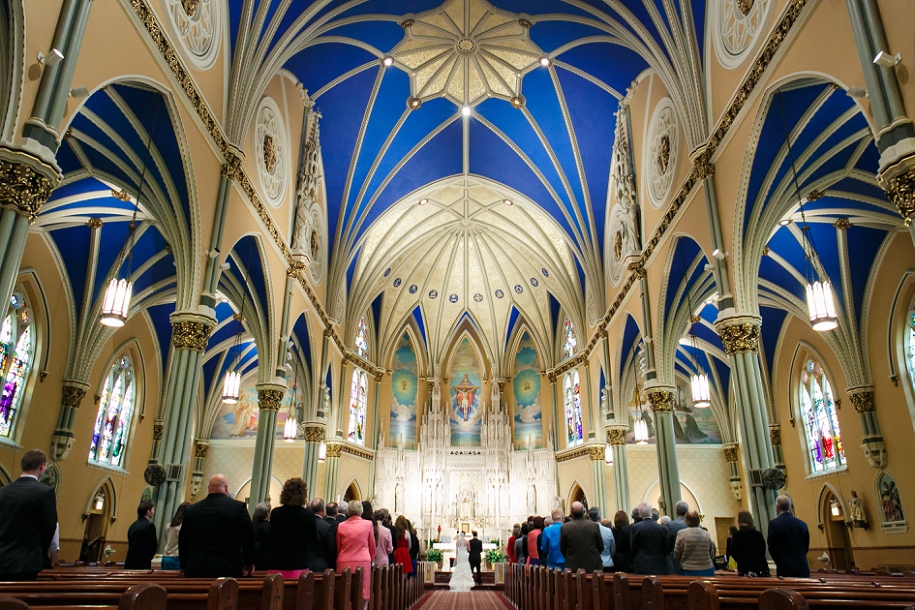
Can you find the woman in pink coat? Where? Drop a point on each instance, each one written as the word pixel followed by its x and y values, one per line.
pixel 356 545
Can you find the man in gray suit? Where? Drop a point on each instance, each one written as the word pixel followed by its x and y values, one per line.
pixel 580 541
pixel 680 508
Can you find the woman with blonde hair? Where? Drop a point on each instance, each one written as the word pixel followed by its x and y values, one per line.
pixel 293 530
pixel 356 545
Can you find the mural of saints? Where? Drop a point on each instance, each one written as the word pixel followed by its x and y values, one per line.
pixel 466 410
pixel 526 385
pixel 403 389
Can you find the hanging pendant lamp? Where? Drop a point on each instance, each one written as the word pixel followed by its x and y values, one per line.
pixel 701 395
pixel 821 306
pixel 608 455
pixel 291 428
pixel 230 387
pixel 641 431
pixel 322 452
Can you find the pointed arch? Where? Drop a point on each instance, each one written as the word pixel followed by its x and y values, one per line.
pixel 405 365
pixel 526 389
pixel 106 484
pixel 121 399
pixel 466 371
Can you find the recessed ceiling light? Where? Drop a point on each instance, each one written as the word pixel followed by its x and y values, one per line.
pixel 388 61
pixel 784 222
pixel 466 111
pixel 545 62
pixel 508 202
pixel 423 201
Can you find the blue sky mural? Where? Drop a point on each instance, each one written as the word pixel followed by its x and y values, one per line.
pixel 526 382
pixel 403 395
pixel 466 409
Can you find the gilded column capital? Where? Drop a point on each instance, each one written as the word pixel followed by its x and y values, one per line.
pixel 638 269
pixel 899 187
pixel 314 433
pixel 23 187
pixel 270 396
pixel 72 393
pixel 730 452
pixel 661 398
pixel 739 333
pixel 295 269
pixel 334 449
pixel 190 335
pixel 701 159
pixel 232 168
pixel 617 436
pixel 158 429
pixel 775 434
pixel 863 398
pixel 201 448
pixel 596 453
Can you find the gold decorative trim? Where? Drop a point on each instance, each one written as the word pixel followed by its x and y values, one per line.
pixel 775 434
pixel 158 430
pixel 740 337
pixel 23 189
pixel 357 451
pixel 730 453
pixel 863 400
pixel 573 454
pixel 596 453
pixel 94 223
pixel 638 269
pixel 900 189
pixel 200 449
pixel 616 436
pixel 333 449
pixel 270 399
pixel 187 334
pixel 314 434
pixel 71 396
pixel 661 401
pixel 842 223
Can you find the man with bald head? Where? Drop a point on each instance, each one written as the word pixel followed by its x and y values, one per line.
pixel 580 541
pixel 216 538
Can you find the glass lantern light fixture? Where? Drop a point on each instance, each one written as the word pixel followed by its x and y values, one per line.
pixel 322 452
pixel 608 454
pixel 116 302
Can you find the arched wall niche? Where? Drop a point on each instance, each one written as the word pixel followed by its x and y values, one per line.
pixel 525 394
pixel 468 375
pixel 406 362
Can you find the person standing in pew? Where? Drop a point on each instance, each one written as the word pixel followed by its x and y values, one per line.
pixel 260 523
pixel 550 545
pixel 333 517
pixel 789 541
pixel 323 555
pixel 142 541
pixel 356 545
pixel 748 549
pixel 293 530
pixel 216 538
pixel 622 560
pixel 649 544
pixel 580 541
pixel 673 528
pixel 28 518
pixel 694 550
pixel 606 534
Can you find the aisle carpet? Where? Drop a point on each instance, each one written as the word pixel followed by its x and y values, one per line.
pixel 475 600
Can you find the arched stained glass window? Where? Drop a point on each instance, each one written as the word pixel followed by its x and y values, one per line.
pixel 115 410
pixel 821 423
pixel 357 394
pixel 910 347
pixel 569 341
pixel 362 338
pixel 17 351
pixel 574 432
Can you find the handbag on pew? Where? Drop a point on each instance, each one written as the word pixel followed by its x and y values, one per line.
pixel 170 562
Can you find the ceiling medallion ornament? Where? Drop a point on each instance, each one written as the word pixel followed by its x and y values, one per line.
pixel 739 23
pixel 433 294
pixel 544 272
pixel 453 298
pixel 534 282
pixel 519 288
pixel 397 282
pixel 466 51
pixel 198 24
pixel 478 298
pixel 663 144
pixel 271 169
pixel 413 288
pixel 499 294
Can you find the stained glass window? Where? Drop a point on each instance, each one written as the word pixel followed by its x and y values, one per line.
pixel 357 407
pixel 910 347
pixel 17 350
pixel 568 339
pixel 574 432
pixel 116 406
pixel 362 341
pixel 821 423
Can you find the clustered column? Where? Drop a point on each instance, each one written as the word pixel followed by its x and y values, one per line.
pixel 661 399
pixel 872 440
pixel 731 456
pixel 190 334
pixel 201 447
pixel 269 399
pixel 71 396
pixel 314 436
pixel 740 336
pixel 599 476
pixel 617 439
pixel 332 469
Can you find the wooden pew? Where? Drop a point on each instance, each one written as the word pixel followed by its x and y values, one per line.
pixel 144 596
pixel 221 595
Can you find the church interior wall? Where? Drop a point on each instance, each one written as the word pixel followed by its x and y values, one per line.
pixel 353 469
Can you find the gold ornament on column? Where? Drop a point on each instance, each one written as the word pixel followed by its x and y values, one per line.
pixel 23 189
pixel 616 436
pixel 661 401
pixel 269 399
pixel 900 189
pixel 863 400
pixel 730 453
pixel 187 334
pixel 739 337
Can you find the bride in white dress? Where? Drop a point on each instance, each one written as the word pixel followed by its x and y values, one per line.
pixel 461 578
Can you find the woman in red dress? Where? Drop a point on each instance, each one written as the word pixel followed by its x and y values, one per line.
pixel 402 544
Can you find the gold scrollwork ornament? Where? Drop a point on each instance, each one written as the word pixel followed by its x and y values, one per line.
pixel 740 338
pixel 191 335
pixel 616 436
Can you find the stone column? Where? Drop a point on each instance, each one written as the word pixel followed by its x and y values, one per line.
pixel 331 469
pixel 556 410
pixel 200 453
pixel 373 439
pixel 872 440
pixel 71 396
pixel 617 438
pixel 661 399
pixel 314 436
pixel 740 335
pixel 731 456
pixel 190 334
pixel 269 398
pixel 342 395
pixel 592 404
pixel 599 477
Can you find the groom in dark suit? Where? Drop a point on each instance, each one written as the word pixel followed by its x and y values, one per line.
pixel 476 549
pixel 28 518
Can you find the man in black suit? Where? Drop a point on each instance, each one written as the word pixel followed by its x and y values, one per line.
pixel 476 550
pixel 580 541
pixel 333 513
pixel 648 543
pixel 789 541
pixel 216 538
pixel 142 542
pixel 322 556
pixel 28 518
pixel 673 528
